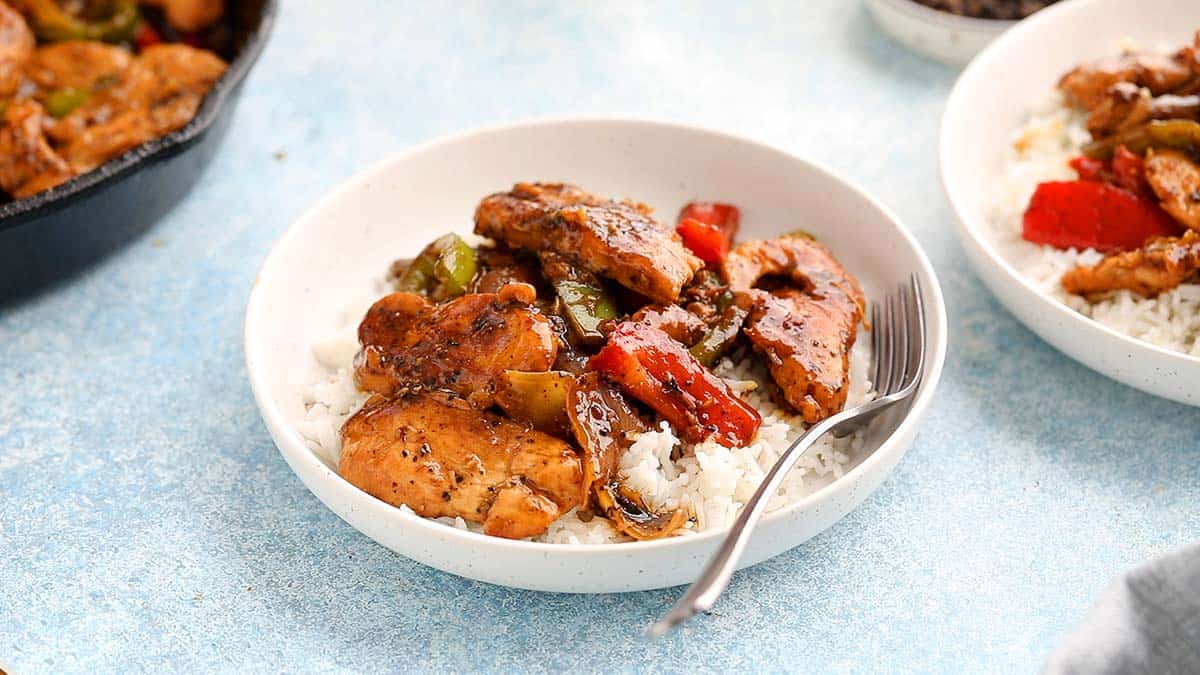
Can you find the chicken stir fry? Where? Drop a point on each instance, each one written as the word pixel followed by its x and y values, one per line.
pixel 1159 266
pixel 618 240
pixel 805 329
pixel 99 84
pixel 1138 194
pixel 463 346
pixel 509 378
pixel 442 457
pixel 1086 86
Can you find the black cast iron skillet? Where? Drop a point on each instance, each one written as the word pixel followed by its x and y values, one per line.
pixel 53 233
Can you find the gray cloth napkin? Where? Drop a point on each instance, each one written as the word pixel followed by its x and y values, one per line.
pixel 1147 622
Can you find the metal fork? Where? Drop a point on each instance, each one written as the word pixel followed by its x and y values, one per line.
pixel 897 361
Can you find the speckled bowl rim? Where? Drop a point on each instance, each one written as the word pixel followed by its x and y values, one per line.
pixel 297 450
pixel 20 211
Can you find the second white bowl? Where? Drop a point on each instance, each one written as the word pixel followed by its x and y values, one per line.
pixel 990 100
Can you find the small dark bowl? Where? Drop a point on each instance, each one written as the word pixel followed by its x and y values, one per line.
pixel 53 233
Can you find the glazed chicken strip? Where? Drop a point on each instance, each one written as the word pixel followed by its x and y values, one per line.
pixel 616 240
pixel 159 92
pixel 28 164
pixel 805 329
pixel 76 63
pixel 1126 106
pixel 1086 86
pixel 463 346
pixel 439 456
pixel 679 323
pixel 1159 266
pixel 499 267
pixel 189 16
pixel 1175 178
pixel 16 47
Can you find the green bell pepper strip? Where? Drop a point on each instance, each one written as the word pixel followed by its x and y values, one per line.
pixel 448 264
pixel 418 278
pixel 60 102
pixel 52 23
pixel 455 268
pixel 1178 134
pixel 709 284
pixel 720 337
pixel 586 308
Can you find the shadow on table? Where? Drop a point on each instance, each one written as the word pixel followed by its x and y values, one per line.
pixel 363 604
pixel 37 255
pixel 1069 414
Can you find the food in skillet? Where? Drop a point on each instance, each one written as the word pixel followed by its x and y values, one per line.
pixel 84 82
pixel 1006 10
pixel 1113 164
pixel 589 373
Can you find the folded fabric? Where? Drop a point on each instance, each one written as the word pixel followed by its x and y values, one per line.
pixel 1147 622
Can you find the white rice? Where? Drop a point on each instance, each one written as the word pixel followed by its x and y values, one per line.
pixel 711 482
pixel 1039 152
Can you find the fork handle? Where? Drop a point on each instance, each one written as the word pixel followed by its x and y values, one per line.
pixel 715 578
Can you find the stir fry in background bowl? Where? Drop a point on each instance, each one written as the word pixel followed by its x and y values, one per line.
pixel 1121 140
pixel 1005 10
pixel 951 31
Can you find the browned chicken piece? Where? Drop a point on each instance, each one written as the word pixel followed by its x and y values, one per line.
pixel 1085 86
pixel 27 162
pixel 439 456
pixel 189 16
pixel 679 323
pixel 95 144
pixel 617 240
pixel 463 346
pixel 1126 105
pixel 805 329
pixel 500 266
pixel 604 424
pixel 1159 266
pixel 16 47
pixel 78 63
pixel 159 92
pixel 180 68
pixel 1190 55
pixel 1176 180
pixel 558 267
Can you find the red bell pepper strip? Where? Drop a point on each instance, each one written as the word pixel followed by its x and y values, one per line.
pixel 146 36
pixel 725 216
pixel 1091 169
pixel 648 365
pixel 708 242
pixel 723 219
pixel 1084 214
pixel 1125 170
pixel 1129 172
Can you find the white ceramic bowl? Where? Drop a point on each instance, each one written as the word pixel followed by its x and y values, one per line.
pixel 989 101
pixel 947 37
pixel 392 209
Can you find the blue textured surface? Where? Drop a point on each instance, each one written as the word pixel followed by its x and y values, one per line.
pixel 147 521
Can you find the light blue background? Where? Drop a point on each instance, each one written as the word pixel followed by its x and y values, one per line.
pixel 147 521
